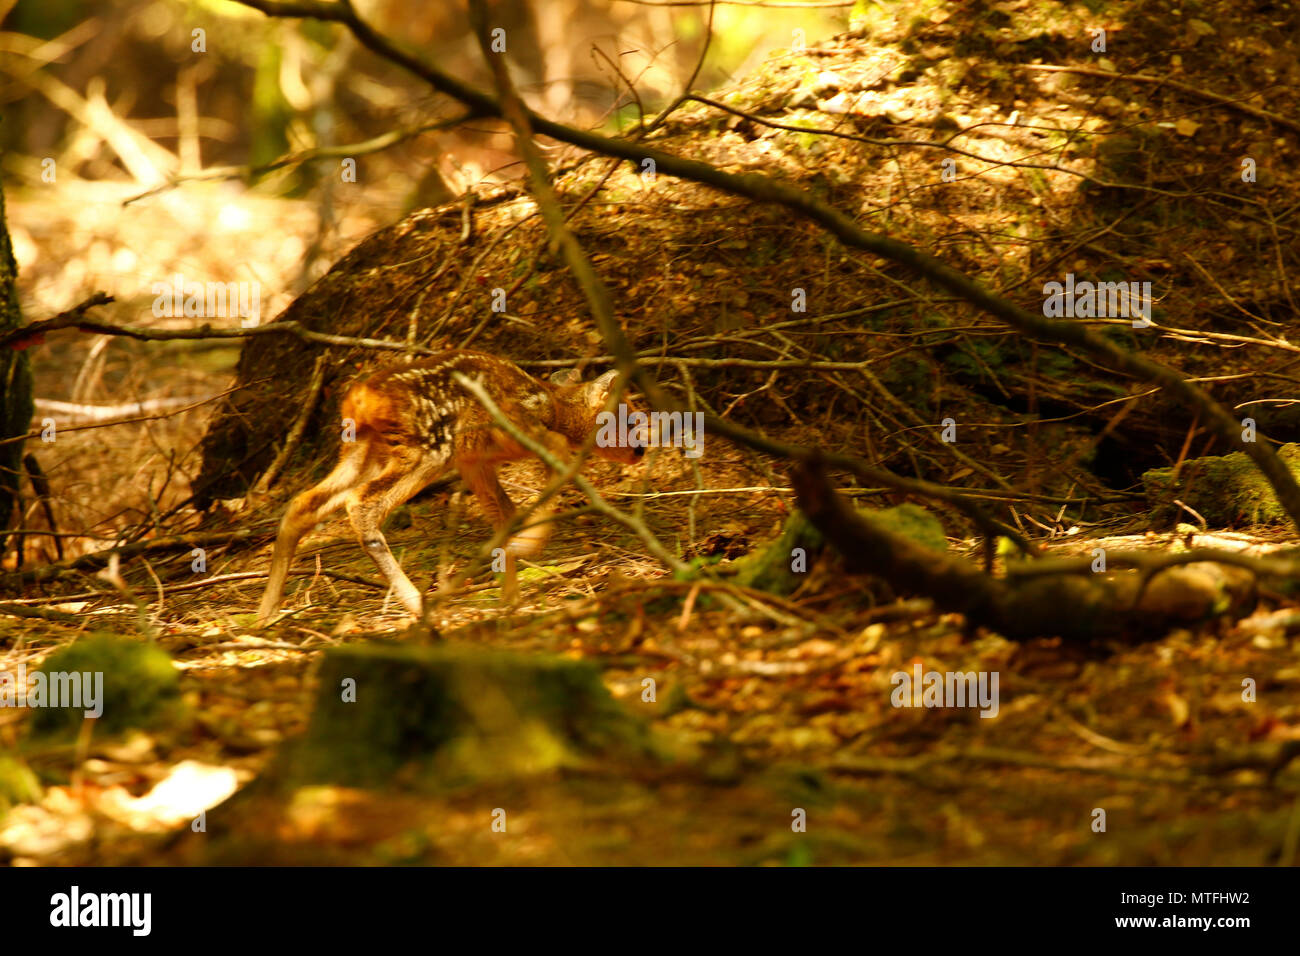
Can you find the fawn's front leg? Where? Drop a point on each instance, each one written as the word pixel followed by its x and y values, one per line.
pixel 369 504
pixel 482 480
pixel 481 477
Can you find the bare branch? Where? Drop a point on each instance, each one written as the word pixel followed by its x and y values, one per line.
pixel 1196 91
pixel 247 173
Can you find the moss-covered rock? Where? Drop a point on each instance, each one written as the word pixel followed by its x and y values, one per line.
pixel 132 684
pixel 1226 491
pixel 445 716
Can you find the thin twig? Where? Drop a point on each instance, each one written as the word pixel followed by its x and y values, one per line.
pixel 299 426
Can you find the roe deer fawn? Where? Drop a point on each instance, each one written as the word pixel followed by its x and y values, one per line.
pixel 412 424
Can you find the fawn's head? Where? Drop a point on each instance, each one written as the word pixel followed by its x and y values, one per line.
pixel 579 406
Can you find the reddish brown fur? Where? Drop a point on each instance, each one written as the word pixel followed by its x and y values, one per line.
pixel 413 423
pixel 372 410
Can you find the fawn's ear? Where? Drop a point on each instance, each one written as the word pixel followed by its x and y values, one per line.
pixel 596 392
pixel 566 376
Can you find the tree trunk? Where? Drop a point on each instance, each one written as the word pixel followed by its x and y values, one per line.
pixel 15 382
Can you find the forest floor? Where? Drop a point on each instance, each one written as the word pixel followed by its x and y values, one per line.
pixel 778 739
pixel 763 716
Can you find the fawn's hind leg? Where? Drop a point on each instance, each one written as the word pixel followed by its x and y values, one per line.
pixel 369 503
pixel 306 511
pixel 481 477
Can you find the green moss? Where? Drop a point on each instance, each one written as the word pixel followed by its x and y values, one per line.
pixel 1226 491
pixel 445 716
pixel 17 784
pixel 140 686
pixel 777 569
pixel 912 522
